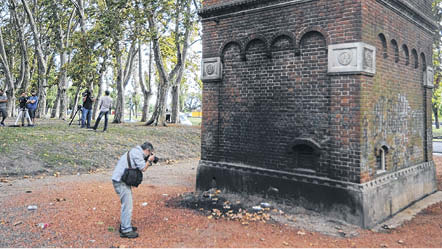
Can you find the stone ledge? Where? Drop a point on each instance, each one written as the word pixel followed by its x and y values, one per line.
pixel 385 178
pixel 364 204
pixel 379 181
pixel 411 13
pixel 242 5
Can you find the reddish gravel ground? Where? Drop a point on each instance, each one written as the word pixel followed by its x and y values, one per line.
pixel 89 217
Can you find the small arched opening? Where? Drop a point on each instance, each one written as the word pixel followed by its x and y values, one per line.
pixel 384 45
pixel 305 154
pixel 381 162
pixel 395 47
pixel 406 54
pixel 415 58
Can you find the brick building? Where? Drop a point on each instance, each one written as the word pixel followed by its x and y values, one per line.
pixel 328 101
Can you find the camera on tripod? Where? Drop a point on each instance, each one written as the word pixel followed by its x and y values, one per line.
pixel 22 102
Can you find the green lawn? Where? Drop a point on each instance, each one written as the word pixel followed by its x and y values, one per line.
pixel 437 133
pixel 53 146
pixel 195 121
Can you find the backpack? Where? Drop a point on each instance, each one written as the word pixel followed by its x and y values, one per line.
pixel 132 176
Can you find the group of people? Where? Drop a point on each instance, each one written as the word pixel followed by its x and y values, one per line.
pixel 141 157
pixel 105 104
pixel 27 104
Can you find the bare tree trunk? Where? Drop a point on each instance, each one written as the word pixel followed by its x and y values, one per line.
pixel 147 91
pixel 119 108
pixel 177 85
pixel 23 81
pixel 56 105
pixel 65 36
pixel 436 116
pixel 10 91
pixel 123 79
pixel 77 95
pixel 158 117
pixel 42 63
pixel 100 86
pixel 160 106
pixel 175 103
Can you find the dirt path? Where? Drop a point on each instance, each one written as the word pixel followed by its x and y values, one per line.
pixel 83 211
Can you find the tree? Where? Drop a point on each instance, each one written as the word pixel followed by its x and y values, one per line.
pixel 42 60
pixel 63 16
pixel 437 57
pixel 7 59
pixel 145 89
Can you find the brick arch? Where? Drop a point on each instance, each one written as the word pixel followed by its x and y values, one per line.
pixel 415 61
pixel 423 61
pixel 284 34
pixel 383 40
pixel 228 43
pixel 305 154
pixel 395 46
pixel 306 141
pixel 300 49
pixel 406 54
pixel 305 31
pixel 254 38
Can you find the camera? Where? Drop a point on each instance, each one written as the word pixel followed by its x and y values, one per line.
pixel 23 101
pixel 87 93
pixel 155 160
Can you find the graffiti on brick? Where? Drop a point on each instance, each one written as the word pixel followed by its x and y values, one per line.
pixel 395 121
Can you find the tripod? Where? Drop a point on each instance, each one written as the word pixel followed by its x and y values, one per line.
pixel 79 117
pixel 21 115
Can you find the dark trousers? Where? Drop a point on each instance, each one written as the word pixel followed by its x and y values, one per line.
pixel 106 114
pixel 4 114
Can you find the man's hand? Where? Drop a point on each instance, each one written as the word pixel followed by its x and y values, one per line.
pixel 149 162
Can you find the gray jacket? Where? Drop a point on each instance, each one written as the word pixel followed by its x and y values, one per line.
pixel 136 160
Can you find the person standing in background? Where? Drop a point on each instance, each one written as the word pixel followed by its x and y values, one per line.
pixel 87 109
pixel 105 104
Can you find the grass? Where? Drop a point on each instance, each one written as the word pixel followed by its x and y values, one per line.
pixel 195 121
pixel 437 132
pixel 53 146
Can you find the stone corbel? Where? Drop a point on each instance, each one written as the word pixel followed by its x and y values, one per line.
pixel 429 78
pixel 352 58
pixel 211 69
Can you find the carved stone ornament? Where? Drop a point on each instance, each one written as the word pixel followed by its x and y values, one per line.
pixel 351 58
pixel 429 77
pixel 211 69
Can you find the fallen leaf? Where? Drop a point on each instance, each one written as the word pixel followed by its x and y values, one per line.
pixel 285 243
pixel 301 233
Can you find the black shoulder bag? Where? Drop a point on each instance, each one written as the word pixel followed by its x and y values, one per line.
pixel 132 176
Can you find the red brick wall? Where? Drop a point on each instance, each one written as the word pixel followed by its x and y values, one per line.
pixel 392 102
pixel 265 104
pixel 275 88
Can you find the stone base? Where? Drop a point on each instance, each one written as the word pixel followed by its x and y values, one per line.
pixel 364 204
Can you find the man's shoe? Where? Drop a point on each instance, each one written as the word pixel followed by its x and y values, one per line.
pixel 133 229
pixel 2 124
pixel 129 235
